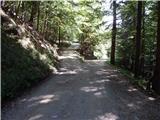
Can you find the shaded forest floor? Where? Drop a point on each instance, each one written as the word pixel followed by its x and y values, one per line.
pixel 89 90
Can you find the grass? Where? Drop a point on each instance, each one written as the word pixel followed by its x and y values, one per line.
pixel 21 69
pixel 138 82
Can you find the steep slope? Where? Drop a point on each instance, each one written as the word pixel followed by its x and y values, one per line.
pixel 26 57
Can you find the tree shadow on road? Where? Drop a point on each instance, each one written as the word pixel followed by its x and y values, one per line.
pixel 87 91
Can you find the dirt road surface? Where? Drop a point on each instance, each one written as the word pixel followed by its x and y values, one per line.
pixel 90 90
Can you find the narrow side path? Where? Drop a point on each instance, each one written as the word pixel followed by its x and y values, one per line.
pixel 89 90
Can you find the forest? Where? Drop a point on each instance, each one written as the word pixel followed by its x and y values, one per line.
pixel 123 33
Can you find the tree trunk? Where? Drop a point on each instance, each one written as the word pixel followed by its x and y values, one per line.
pixel 46 30
pixel 38 15
pixel 133 42
pixel 23 11
pixel 143 41
pixel 2 3
pixel 18 7
pixel 156 76
pixel 59 36
pixel 113 34
pixel 33 11
pixel 45 23
pixel 138 40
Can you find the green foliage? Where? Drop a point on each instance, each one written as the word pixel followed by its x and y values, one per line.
pixel 63 20
pixel 20 69
pixel 126 33
pixel 141 83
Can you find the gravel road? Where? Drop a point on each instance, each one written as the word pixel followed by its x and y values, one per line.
pixel 89 90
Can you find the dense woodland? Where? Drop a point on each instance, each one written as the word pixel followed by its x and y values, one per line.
pixel 32 31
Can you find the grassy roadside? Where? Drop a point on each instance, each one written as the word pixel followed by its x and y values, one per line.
pixel 24 62
pixel 140 83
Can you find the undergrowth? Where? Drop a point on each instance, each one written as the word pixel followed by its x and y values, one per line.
pixel 21 68
pixel 141 82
